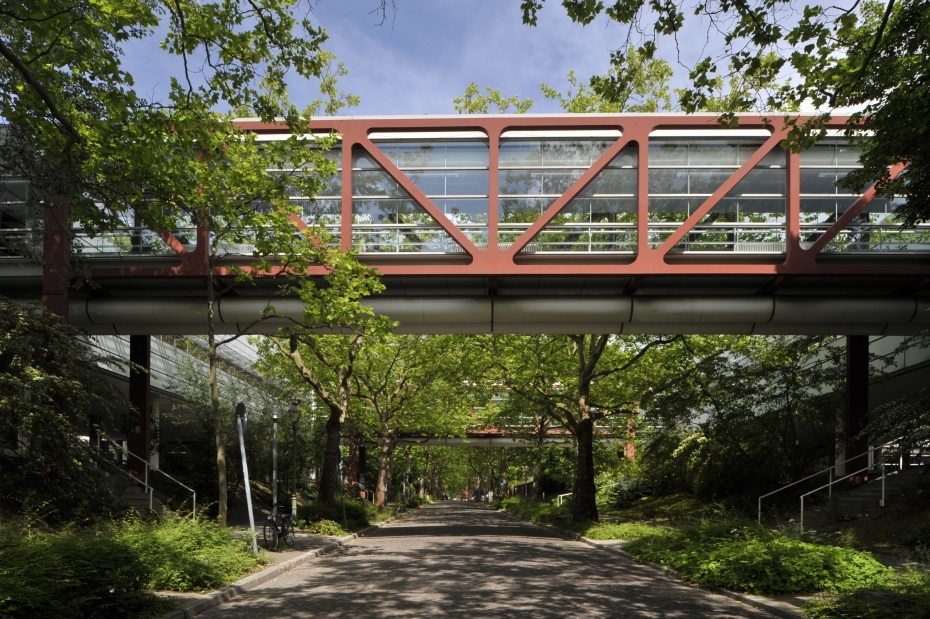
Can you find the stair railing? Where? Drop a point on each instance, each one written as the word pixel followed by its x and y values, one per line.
pixel 836 481
pixel 832 481
pixel 149 489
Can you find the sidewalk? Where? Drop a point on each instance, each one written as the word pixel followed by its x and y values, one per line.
pixel 306 547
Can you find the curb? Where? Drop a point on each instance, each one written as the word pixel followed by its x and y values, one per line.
pixel 215 598
pixel 252 581
pixel 785 610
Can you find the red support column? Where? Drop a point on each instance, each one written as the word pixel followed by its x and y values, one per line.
pixel 56 263
pixel 353 459
pixel 857 403
pixel 140 396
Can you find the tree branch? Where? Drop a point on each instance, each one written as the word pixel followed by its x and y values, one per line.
pixel 40 90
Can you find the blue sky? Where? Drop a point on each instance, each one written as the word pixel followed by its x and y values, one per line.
pixel 428 51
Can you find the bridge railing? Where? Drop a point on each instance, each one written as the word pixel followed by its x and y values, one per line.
pixel 568 238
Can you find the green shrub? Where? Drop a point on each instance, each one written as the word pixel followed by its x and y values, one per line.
pixel 184 554
pixel 545 513
pixel 324 527
pixel 74 574
pixel 620 530
pixel 358 513
pixel 416 501
pixel 742 556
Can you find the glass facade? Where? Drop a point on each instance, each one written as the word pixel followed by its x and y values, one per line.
pixel 452 174
pixel 535 173
pixel 535 170
pixel 683 174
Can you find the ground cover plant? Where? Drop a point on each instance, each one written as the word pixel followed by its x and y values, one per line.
pixel 731 552
pixel 110 569
pixel 740 555
pixel 906 596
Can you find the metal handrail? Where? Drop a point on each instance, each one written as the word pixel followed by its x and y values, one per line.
pixel 368 492
pixel 826 470
pixel 148 466
pixel 803 496
pixel 559 498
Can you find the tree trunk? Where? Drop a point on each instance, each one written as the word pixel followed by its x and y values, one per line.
pixel 329 476
pixel 385 458
pixel 221 484
pixel 584 506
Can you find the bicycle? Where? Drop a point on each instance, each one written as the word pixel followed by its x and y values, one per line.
pixel 278 527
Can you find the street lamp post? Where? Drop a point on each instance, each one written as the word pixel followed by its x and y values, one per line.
pixel 242 418
pixel 274 461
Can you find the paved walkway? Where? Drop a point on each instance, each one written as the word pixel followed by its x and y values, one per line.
pixel 459 560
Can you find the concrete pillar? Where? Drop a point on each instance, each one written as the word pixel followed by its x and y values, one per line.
pixel 140 396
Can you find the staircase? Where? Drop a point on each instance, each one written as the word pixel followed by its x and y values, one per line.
pixel 866 499
pixel 136 497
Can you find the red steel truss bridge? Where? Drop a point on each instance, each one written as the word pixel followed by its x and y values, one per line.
pixel 566 223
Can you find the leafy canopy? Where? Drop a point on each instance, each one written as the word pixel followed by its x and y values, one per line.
pixel 867 56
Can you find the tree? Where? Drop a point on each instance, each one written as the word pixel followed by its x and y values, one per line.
pixel 473 102
pixel 412 384
pixel 99 153
pixel 752 414
pixel 49 379
pixel 321 350
pixel 580 380
pixel 644 88
pixel 868 56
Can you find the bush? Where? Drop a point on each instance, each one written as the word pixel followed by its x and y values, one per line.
pixel 416 501
pixel 545 513
pixel 109 570
pixel 358 513
pixel 72 574
pixel 743 556
pixel 184 554
pixel 325 527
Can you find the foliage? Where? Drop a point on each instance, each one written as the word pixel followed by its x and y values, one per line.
pixel 417 385
pixel 907 596
pixel 49 380
pixel 728 423
pixel 868 56
pixel 73 109
pixel 473 102
pixel 184 554
pixel 543 513
pixel 645 89
pixel 416 501
pixel 743 556
pixel 677 507
pixel 620 530
pixel 359 513
pixel 108 570
pixel 323 527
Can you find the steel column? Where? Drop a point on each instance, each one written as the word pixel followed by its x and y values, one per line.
pixel 140 396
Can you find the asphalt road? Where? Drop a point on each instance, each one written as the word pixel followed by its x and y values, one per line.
pixel 454 559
